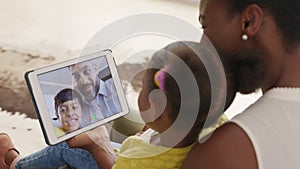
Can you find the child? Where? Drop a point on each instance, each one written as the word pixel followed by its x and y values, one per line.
pixel 68 110
pixel 172 108
pixel 170 105
pixel 166 101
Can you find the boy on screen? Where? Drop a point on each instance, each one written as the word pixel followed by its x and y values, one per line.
pixel 68 111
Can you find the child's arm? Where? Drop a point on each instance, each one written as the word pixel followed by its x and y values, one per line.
pixel 97 142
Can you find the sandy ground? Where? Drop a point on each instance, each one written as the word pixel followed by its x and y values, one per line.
pixel 25 132
pixel 14 92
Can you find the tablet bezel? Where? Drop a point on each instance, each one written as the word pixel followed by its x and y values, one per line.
pixel 41 105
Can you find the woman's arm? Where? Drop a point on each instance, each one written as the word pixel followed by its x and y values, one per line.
pixel 97 142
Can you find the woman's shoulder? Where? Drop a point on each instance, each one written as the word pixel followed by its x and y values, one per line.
pixel 228 147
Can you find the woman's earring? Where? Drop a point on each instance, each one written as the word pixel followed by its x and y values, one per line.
pixel 245 37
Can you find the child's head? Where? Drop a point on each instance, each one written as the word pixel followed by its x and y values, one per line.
pixel 68 109
pixel 167 72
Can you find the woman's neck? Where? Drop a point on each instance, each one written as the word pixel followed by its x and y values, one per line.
pixel 289 76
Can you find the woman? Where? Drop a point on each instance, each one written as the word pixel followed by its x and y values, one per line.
pixel 263 37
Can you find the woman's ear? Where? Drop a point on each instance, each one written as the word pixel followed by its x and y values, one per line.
pixel 252 18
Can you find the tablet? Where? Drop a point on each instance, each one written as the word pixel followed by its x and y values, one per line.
pixel 76 95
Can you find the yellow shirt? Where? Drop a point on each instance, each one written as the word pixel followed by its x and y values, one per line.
pixel 59 132
pixel 136 153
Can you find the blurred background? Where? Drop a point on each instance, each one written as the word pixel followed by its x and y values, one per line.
pixel 36 33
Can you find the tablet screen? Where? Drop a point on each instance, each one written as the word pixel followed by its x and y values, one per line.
pixel 79 95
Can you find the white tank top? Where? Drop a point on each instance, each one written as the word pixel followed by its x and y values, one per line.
pixel 273 126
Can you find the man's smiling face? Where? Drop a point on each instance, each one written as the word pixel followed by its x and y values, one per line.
pixel 85 75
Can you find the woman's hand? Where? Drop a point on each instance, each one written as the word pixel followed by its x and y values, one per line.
pixel 90 139
pixel 97 142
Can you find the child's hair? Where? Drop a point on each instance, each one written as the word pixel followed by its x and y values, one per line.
pixel 166 61
pixel 66 95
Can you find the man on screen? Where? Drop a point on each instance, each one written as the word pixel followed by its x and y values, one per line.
pixel 99 96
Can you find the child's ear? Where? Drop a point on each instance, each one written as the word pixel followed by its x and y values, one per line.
pixel 158 99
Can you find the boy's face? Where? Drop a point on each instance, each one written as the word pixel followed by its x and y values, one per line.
pixel 70 115
pixel 85 77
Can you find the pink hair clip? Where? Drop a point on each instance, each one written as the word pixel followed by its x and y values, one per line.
pixel 159 79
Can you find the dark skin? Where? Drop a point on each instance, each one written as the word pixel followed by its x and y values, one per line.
pixel 229 147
